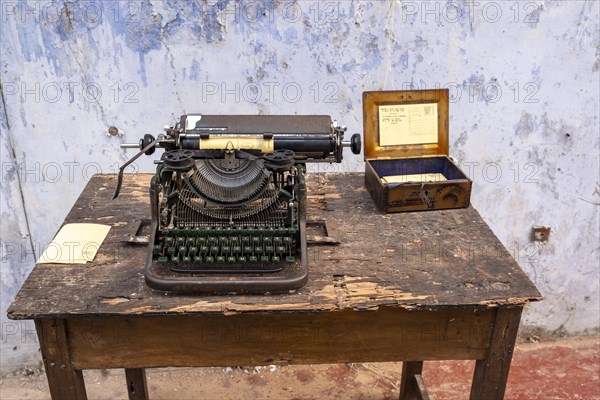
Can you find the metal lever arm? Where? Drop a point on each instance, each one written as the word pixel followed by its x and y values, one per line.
pixel 128 163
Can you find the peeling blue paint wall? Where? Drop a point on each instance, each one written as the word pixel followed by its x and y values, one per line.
pixel 523 76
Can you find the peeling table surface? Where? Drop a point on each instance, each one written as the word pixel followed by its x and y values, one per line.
pixel 421 260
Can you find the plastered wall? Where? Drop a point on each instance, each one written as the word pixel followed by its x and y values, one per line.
pixel 523 78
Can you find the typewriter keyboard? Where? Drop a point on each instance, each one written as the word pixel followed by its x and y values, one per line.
pixel 225 245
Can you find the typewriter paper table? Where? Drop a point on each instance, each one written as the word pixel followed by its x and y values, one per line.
pixel 398 287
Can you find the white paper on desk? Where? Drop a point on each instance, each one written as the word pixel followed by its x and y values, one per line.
pixel 75 244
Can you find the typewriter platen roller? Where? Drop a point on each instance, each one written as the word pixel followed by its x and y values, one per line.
pixel 228 200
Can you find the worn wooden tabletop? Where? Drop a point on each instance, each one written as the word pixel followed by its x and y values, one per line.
pixel 424 260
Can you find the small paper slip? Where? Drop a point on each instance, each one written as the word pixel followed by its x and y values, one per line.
pixel 431 177
pixel 75 244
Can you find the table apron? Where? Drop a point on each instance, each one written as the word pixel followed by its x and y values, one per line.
pixel 389 334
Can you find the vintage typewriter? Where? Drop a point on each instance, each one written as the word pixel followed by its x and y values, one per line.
pixel 228 200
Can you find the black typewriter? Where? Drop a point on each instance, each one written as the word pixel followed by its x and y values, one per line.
pixel 228 200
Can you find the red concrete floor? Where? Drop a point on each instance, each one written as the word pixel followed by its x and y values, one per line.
pixel 556 369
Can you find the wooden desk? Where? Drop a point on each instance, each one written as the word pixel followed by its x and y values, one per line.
pixel 399 287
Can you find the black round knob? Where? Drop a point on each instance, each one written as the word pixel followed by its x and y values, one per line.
pixel 145 142
pixel 355 143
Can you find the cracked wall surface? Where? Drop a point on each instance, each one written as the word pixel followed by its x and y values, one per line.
pixel 523 79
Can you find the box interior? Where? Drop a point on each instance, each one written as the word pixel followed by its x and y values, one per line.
pixel 410 166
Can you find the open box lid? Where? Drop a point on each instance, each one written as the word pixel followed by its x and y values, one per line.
pixel 407 123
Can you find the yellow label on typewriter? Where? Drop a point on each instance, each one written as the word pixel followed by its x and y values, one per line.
pixel 239 142
pixel 405 124
pixel 431 177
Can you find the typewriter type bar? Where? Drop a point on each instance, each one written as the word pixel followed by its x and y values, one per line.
pixel 228 201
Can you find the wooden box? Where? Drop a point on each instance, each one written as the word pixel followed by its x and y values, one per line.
pixel 407 167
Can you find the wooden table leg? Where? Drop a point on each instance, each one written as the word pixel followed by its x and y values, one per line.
pixel 491 373
pixel 136 383
pixel 65 382
pixel 411 384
